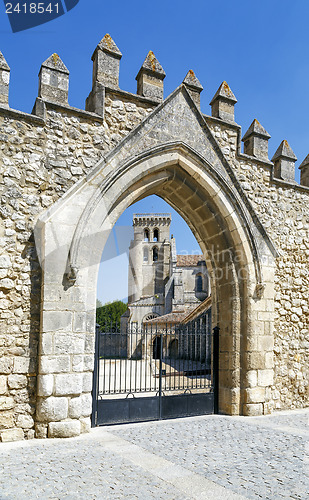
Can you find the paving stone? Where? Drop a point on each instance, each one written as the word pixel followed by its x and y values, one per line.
pixel 237 457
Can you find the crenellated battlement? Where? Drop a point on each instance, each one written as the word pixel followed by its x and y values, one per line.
pixel 53 93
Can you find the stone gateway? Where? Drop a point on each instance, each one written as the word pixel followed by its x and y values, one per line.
pixel 66 177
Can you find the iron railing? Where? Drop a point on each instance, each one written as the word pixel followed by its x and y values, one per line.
pixel 155 372
pixel 152 358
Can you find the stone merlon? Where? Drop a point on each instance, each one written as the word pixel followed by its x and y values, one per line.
pixel 4 81
pixel 55 63
pixel 106 62
pixel 150 78
pixel 3 64
pixel 284 162
pixel 54 80
pixel 106 59
pixel 193 86
pixel 223 102
pixel 304 172
pixel 284 151
pixel 108 45
pixel 256 141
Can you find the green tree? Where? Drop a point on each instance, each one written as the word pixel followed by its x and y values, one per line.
pixel 109 314
pixel 99 304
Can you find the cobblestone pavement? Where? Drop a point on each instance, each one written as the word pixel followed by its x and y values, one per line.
pixel 211 457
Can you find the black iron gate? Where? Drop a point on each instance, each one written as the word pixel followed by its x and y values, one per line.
pixel 155 373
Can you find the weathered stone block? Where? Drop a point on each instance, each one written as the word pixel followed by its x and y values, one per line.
pixel 253 410
pixel 69 384
pixel 266 409
pixel 67 429
pixel 85 425
pixel 6 403
pixel 252 378
pixel 57 321
pixel 83 363
pixel 269 360
pixel 79 322
pixel 41 430
pixel 255 360
pixel 6 284
pixel 17 381
pixel 25 421
pixel 88 363
pixel 11 435
pixel 69 343
pixel 45 385
pixel 6 365
pixel 265 343
pixel 255 395
pixel 3 384
pixel 81 406
pixel 265 377
pixel 78 363
pixel 265 316
pixel 54 80
pixel 24 365
pixel 30 434
pixel 6 419
pixel 52 409
pixel 150 78
pixel 54 364
pixel 46 344
pixel 87 382
pixel 5 262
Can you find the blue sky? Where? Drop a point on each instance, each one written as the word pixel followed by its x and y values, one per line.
pixel 259 48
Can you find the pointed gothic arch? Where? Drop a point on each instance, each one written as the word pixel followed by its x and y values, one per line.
pixel 238 254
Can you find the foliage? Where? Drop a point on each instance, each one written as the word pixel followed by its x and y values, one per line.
pixel 109 314
pixel 98 304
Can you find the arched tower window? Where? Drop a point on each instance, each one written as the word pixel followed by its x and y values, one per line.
pixel 146 235
pixel 145 257
pixel 156 235
pixel 155 254
pixel 199 283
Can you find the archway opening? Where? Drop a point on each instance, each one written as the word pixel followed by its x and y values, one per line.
pixel 214 222
pixel 156 235
pixel 156 348
pixel 173 349
pixel 132 269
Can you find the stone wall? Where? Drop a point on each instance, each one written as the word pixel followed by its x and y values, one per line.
pixel 43 155
pixel 40 161
pixel 284 211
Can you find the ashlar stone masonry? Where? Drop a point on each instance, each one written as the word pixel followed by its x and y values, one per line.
pixel 68 174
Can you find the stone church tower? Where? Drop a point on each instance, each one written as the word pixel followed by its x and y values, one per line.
pixel 149 255
pixel 160 281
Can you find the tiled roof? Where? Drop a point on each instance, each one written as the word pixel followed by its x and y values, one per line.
pixel 173 317
pixel 182 316
pixel 197 311
pixel 189 260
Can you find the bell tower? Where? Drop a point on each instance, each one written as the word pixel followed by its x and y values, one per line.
pixel 149 256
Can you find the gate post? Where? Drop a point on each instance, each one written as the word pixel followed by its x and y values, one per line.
pixel 95 382
pixel 160 375
pixel 216 368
